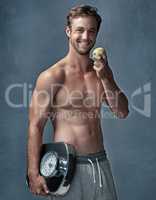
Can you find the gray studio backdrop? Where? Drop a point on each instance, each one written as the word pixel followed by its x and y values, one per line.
pixel 32 38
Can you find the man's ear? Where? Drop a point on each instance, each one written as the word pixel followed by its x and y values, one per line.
pixel 68 31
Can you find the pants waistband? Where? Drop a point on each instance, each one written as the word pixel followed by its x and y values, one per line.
pixel 101 155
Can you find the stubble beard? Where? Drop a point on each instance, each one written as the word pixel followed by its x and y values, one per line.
pixel 82 52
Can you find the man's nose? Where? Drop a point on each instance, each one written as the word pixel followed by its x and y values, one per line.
pixel 85 35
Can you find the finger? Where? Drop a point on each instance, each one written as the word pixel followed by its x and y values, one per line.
pixel 97 68
pixel 33 190
pixel 42 193
pixel 99 64
pixel 38 191
pixel 45 188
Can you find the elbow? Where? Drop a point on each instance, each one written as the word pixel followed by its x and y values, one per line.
pixel 125 111
pixel 123 114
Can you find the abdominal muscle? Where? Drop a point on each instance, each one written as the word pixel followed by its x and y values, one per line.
pixel 78 128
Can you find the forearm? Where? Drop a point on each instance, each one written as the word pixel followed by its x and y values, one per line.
pixel 33 150
pixel 116 99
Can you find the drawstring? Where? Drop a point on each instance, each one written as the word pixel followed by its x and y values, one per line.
pixel 93 168
pixel 99 171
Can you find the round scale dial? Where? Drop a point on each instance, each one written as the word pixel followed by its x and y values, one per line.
pixel 48 164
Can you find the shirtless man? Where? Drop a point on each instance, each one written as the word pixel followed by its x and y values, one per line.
pixel 71 93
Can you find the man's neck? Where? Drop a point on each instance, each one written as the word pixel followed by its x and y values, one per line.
pixel 81 62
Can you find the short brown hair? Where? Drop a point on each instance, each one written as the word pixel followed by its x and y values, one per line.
pixel 83 10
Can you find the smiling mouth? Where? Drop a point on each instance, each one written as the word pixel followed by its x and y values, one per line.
pixel 85 44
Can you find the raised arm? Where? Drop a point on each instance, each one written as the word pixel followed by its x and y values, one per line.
pixel 114 97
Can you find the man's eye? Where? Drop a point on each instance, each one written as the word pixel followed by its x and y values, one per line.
pixel 80 30
pixel 92 31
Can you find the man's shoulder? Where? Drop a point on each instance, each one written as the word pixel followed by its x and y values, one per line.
pixel 55 74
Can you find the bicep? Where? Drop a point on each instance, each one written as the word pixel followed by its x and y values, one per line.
pixel 39 108
pixel 40 102
pixel 46 87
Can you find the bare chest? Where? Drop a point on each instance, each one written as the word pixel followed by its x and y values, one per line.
pixel 80 92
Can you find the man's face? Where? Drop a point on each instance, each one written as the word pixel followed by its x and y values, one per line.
pixel 82 34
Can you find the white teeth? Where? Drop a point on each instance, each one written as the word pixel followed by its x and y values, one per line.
pixel 85 43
